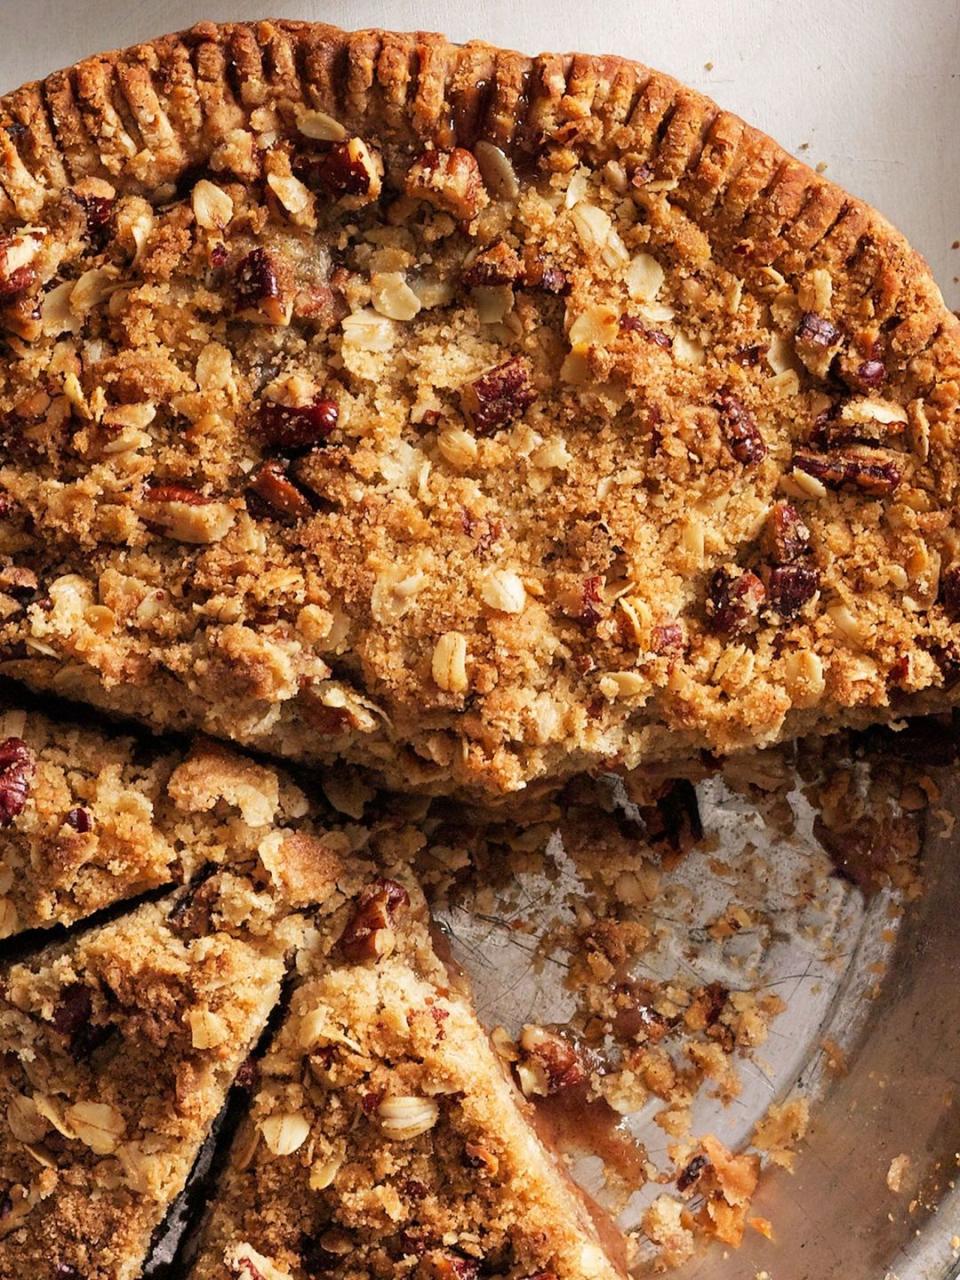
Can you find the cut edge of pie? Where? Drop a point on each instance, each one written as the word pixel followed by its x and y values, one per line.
pixel 93 817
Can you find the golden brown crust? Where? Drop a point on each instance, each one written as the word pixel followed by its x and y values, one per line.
pixel 727 208
pixel 143 116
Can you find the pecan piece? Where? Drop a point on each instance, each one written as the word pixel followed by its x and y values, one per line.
pixel 857 421
pixel 816 331
pixel 18 582
pixel 875 473
pixel 370 935
pixel 540 273
pixel 557 1063
pixel 496 264
pixel 499 396
pixel 745 356
pixel 80 819
pixel 785 535
pixel 348 171
pixel 740 429
pixel 950 590
pixel 295 428
pixel 72 1018
pixel 871 374
pixel 667 638
pixel 17 767
pixel 17 275
pixel 98 210
pixel 271 483
pixel 186 515
pixel 175 492
pixel 452 1266
pixel 633 324
pixel 450 181
pixel 98 213
pixel 244 1263
pixel 16 283
pixel 260 294
pixel 790 587
pixel 190 916
pixel 733 601
pixel 590 602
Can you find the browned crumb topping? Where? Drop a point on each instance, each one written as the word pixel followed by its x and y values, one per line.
pixel 118 1049
pixel 89 818
pixel 473 437
pixel 385 1139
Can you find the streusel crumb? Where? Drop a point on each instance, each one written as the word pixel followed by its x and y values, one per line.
pixel 386 1139
pixel 118 1049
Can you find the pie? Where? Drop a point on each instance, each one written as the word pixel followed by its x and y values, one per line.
pixel 118 1048
pixel 429 414
pixel 476 418
pixel 89 818
pixel 385 1137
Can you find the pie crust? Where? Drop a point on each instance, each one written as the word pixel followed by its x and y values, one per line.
pixel 474 417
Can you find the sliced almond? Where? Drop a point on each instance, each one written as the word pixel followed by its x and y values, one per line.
pixel 497 171
pixel 392 296
pixel 407 1117
pixel 212 206
pixel 98 1125
pixel 644 277
pixel 320 126
pixel 285 1132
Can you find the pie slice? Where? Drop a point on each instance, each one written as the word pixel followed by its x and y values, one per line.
pixel 385 1138
pixel 475 417
pixel 118 1049
pixel 90 816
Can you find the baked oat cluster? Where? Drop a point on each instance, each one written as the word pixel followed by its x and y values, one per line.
pixel 447 418
pixel 472 417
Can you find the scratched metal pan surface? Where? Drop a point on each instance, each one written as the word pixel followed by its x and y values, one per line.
pixel 878 986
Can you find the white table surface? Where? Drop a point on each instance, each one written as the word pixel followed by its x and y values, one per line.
pixel 871 86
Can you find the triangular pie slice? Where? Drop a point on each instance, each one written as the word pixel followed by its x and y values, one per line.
pixel 472 416
pixel 385 1137
pixel 90 816
pixel 118 1049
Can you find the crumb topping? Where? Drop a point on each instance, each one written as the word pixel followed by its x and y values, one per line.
pixel 345 418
